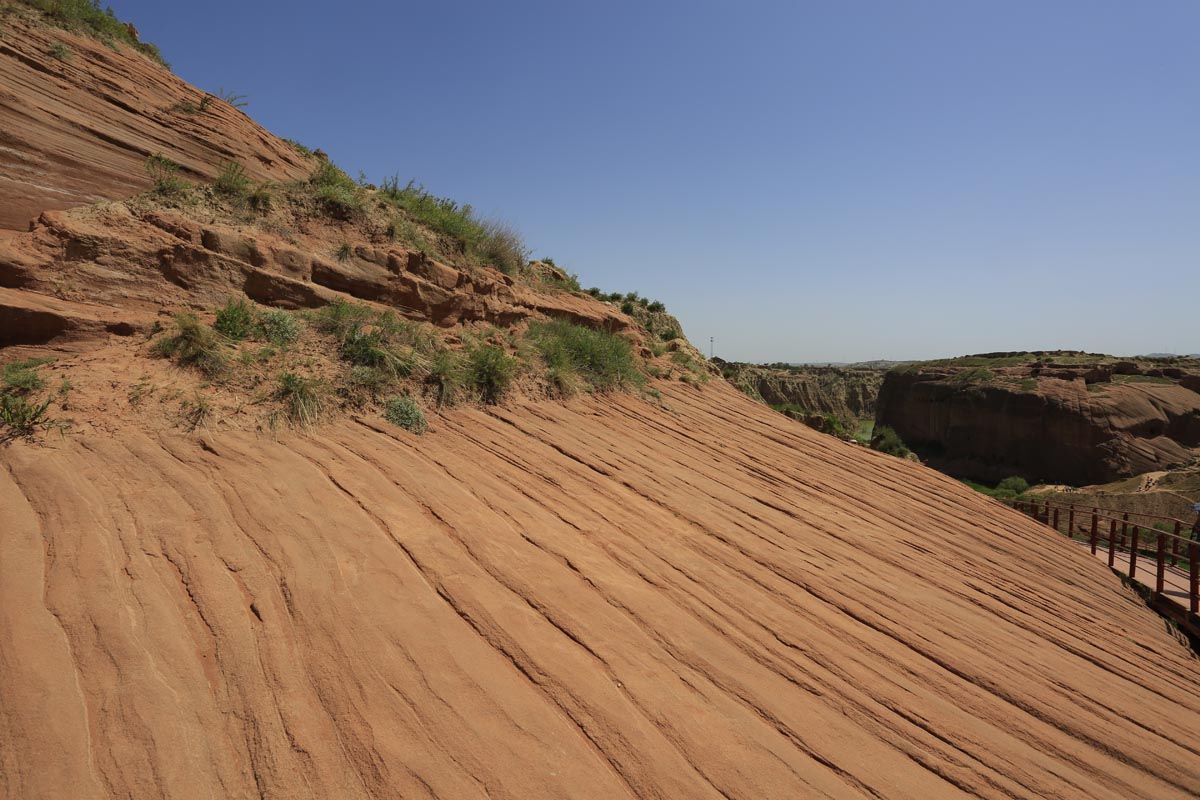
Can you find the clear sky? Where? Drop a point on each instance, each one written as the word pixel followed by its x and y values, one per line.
pixel 803 181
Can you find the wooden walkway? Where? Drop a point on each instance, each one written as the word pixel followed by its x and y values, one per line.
pixel 1160 553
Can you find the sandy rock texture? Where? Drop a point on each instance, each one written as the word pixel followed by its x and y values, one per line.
pixel 78 129
pixel 602 598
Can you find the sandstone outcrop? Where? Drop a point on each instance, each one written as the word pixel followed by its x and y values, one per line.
pixel 88 121
pixel 847 393
pixel 1069 419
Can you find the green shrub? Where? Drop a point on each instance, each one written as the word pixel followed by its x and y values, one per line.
pixel 87 15
pixel 490 371
pixel 1015 484
pixel 194 344
pixel 60 51
pixel 886 440
pixel 344 252
pixel 302 398
pixel 236 319
pixel 404 412
pixel 278 327
pixel 164 173
pixel 656 307
pixel 21 377
pixel 233 181
pixel 336 190
pixel 603 359
pixel 627 307
pixel 371 349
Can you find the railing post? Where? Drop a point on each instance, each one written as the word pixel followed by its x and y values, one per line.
pixel 1112 543
pixel 1133 553
pixel 1160 563
pixel 1124 527
pixel 1047 513
pixel 1071 521
pixel 1095 522
pixel 1194 576
pixel 1056 520
pixel 1175 543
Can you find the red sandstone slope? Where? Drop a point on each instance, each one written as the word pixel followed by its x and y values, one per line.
pixel 79 129
pixel 597 599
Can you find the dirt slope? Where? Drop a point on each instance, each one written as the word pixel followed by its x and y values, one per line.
pixel 78 129
pixel 597 599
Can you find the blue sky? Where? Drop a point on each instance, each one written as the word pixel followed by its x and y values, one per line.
pixel 802 181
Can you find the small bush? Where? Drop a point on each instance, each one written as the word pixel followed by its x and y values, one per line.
pixel 278 327
pixel 886 440
pixel 1015 484
pixel 490 371
pixel 405 413
pixel 233 181
pixel 236 319
pixel 194 344
pixel 627 307
pixel 60 51
pixel 344 252
pixel 302 398
pixel 656 307
pixel 371 349
pixel 603 359
pixel 165 175
pixel 336 190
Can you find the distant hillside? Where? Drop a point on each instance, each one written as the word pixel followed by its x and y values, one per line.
pixel 1063 417
pixel 834 399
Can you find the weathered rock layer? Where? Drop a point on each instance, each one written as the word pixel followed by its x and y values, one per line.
pixel 1073 424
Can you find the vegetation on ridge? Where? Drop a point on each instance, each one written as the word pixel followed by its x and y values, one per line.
pixel 87 16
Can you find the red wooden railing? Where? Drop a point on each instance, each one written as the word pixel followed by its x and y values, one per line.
pixel 1172 543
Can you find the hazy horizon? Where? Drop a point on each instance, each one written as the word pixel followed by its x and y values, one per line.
pixel 802 182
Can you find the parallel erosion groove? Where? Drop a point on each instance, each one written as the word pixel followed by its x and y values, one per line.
pixel 592 599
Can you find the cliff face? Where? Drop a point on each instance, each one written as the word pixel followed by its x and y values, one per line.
pixel 845 392
pixel 86 115
pixel 1075 423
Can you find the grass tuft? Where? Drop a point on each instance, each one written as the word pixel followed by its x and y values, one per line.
pixel 489 371
pixel 165 175
pixel 490 242
pixel 194 344
pixel 603 359
pixel 236 319
pixel 233 181
pixel 303 398
pixel 405 413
